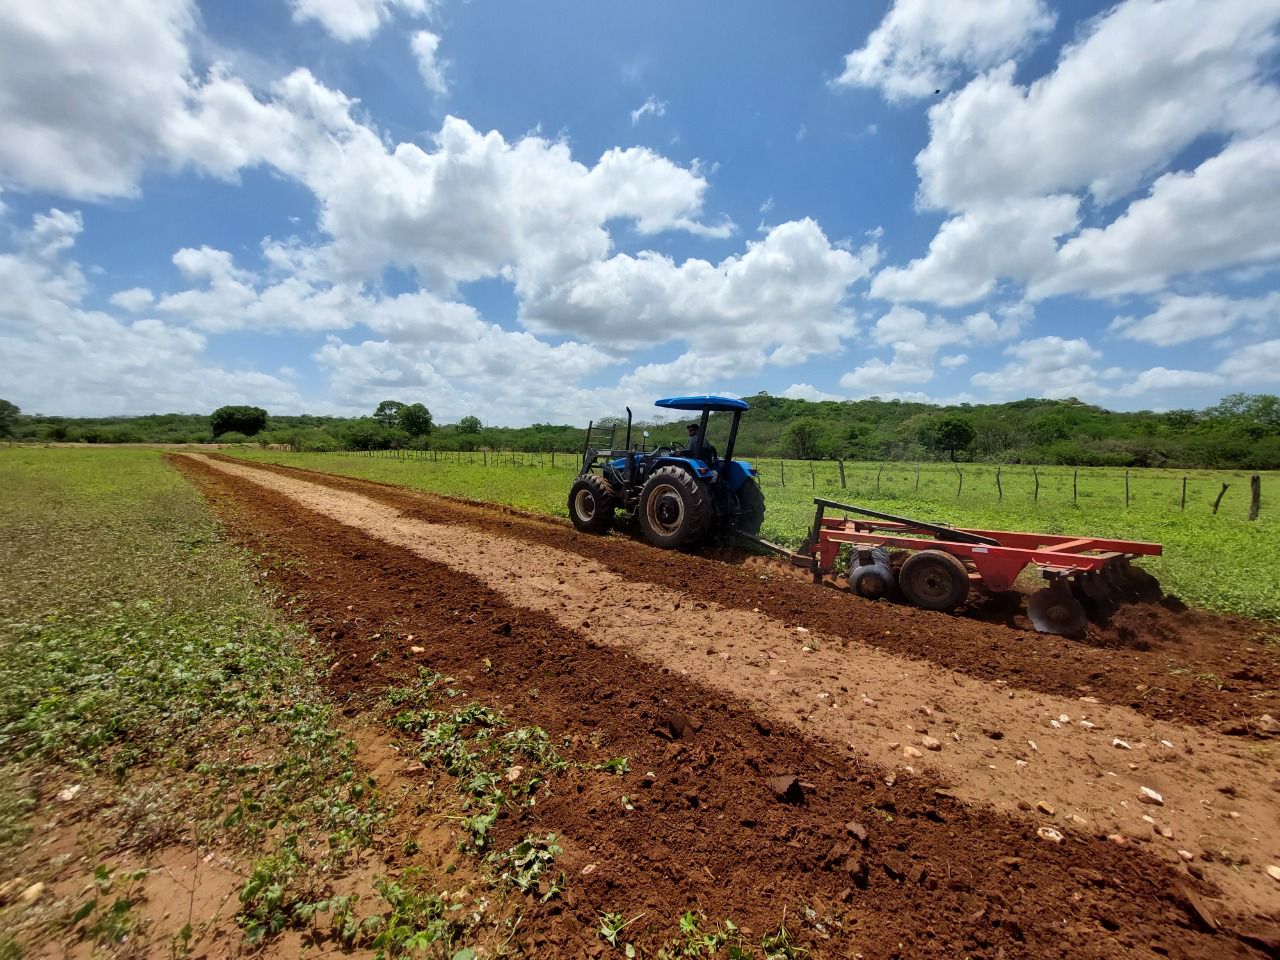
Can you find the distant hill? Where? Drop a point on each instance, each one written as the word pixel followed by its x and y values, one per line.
pixel 1242 432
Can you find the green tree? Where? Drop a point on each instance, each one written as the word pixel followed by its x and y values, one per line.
pixel 415 420
pixel 388 413
pixel 1050 428
pixel 8 417
pixel 952 434
pixel 470 425
pixel 803 440
pixel 240 419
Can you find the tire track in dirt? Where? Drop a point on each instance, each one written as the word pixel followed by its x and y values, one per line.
pixel 936 878
pixel 1193 666
pixel 994 747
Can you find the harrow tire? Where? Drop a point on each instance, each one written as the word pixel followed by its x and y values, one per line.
pixel 934 580
pixel 674 508
pixel 592 503
pixel 750 507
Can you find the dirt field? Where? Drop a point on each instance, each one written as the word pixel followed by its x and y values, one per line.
pixel 963 787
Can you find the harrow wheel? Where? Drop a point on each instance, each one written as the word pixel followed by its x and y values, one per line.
pixel 592 503
pixel 1054 610
pixel 934 580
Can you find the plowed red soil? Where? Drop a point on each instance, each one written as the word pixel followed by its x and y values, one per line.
pixel 934 877
pixel 1171 664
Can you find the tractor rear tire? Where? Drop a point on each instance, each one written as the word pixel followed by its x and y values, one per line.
pixel 750 507
pixel 674 509
pixel 934 580
pixel 592 503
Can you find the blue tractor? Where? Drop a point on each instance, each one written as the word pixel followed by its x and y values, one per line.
pixel 679 496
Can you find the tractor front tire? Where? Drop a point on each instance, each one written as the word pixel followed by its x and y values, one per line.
pixel 750 507
pixel 674 509
pixel 592 503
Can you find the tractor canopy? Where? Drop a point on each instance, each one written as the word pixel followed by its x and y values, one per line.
pixel 703 403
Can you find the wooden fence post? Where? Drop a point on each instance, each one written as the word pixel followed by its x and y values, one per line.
pixel 813 481
pixel 1221 493
pixel 917 478
pixel 782 470
pixel 1255 496
pixel 961 486
pixel 1184 494
pixel 1126 489
pixel 999 489
pixel 1035 497
pixel 878 472
pixel 1075 483
pixel 841 462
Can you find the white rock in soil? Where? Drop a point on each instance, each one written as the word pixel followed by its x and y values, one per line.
pixel 1147 795
pixel 32 894
pixel 69 793
pixel 1273 872
pixel 1046 808
pixel 1063 718
pixel 1087 725
pixel 911 753
pixel 417 649
pixel 1186 855
pixel 1049 833
pixel 1121 744
pixel 931 743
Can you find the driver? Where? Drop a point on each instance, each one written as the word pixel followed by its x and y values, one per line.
pixel 692 447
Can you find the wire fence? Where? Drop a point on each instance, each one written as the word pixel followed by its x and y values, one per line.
pixel 1143 488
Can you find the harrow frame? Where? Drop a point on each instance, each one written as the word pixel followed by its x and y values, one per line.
pixel 997 556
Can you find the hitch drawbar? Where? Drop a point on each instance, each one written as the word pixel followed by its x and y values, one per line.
pixel 1088 576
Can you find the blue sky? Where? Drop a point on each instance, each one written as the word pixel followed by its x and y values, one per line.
pixel 535 212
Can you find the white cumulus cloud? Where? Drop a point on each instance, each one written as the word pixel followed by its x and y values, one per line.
pixel 1145 80
pixel 349 20
pixel 923 45
pixel 426 47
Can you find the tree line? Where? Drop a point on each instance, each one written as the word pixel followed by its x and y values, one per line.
pixel 1242 431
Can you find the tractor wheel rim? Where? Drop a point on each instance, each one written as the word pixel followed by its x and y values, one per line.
pixel 665 510
pixel 584 504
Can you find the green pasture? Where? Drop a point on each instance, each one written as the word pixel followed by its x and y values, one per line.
pixel 1220 562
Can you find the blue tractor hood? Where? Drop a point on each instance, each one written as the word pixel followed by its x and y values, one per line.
pixel 703 403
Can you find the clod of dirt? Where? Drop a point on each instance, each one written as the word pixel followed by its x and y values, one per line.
pixel 675 726
pixel 1267 725
pixel 786 788
pixel 1198 909
pixel 859 833
pixel 10 888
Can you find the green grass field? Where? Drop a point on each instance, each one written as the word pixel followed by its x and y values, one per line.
pixel 138 659
pixel 1220 562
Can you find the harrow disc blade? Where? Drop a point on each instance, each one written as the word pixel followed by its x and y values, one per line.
pixel 1054 610
pixel 1145 585
pixel 1117 574
pixel 1096 588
